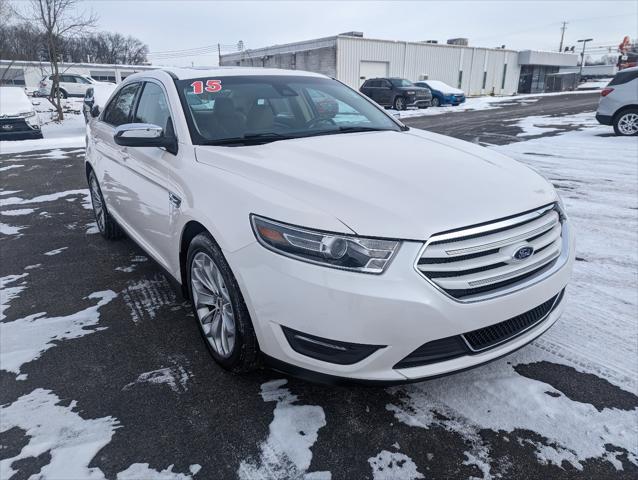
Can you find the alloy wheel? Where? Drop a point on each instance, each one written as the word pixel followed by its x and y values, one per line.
pixel 213 304
pixel 628 124
pixel 98 205
pixel 399 104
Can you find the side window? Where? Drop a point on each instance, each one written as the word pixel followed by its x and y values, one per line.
pixel 153 106
pixel 67 79
pixel 623 77
pixel 81 80
pixel 386 84
pixel 118 111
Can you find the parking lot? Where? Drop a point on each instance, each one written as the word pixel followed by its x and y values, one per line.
pixel 103 373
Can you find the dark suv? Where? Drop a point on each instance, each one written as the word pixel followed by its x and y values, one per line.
pixel 398 93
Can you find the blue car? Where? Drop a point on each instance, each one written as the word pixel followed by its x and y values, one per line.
pixel 442 93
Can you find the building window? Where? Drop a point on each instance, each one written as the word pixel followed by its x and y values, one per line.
pixel 504 75
pixel 103 75
pixel 460 78
pixel 484 80
pixel 12 76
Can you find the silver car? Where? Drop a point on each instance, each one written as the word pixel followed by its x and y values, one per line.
pixel 618 104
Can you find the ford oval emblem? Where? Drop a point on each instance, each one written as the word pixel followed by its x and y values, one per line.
pixel 523 252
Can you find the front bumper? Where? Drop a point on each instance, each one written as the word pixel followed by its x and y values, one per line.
pixel 604 119
pixel 18 129
pixel 398 310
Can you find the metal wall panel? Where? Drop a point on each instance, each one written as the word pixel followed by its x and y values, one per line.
pixel 439 62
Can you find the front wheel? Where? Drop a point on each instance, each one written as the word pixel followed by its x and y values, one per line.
pixel 626 123
pixel 399 103
pixel 219 307
pixel 436 102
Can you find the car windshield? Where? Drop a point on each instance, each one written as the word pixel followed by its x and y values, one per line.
pixel 257 109
pixel 401 82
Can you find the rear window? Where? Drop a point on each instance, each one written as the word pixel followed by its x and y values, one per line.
pixel 624 77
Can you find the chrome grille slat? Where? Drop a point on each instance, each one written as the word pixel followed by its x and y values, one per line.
pixel 544 240
pixel 478 262
pixel 494 240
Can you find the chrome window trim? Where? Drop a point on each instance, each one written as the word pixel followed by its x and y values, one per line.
pixel 554 267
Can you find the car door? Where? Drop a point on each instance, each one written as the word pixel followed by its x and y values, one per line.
pixel 149 168
pixel 80 85
pixel 385 93
pixel 113 174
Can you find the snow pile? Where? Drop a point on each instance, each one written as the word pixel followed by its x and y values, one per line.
pixel 594 84
pixel 286 452
pixel 139 471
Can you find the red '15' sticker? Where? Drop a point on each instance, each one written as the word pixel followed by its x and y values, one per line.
pixel 212 86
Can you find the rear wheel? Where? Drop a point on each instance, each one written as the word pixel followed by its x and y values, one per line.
pixel 219 307
pixel 626 122
pixel 436 102
pixel 105 223
pixel 399 103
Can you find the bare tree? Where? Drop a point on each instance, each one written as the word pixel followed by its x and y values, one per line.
pixel 58 20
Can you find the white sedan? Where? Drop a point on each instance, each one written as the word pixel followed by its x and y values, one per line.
pixel 331 241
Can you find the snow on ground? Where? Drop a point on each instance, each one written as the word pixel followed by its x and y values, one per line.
pixel 594 84
pixel 26 339
pixel 595 173
pixel 286 452
pixel 392 466
pixel 175 377
pixel 71 440
pixel 478 103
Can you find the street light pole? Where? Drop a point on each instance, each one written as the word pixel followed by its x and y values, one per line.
pixel 582 55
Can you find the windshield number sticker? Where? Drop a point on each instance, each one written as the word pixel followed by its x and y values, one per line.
pixel 212 86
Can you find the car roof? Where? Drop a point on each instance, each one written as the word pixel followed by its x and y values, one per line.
pixel 185 73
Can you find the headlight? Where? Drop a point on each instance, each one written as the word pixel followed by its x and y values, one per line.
pixel 27 114
pixel 367 255
pixel 410 92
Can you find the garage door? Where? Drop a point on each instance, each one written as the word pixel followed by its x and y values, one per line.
pixel 372 70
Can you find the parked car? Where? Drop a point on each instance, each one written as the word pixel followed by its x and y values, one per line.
pixel 618 105
pixel 71 85
pixel 442 93
pixel 18 118
pixel 97 95
pixel 302 239
pixel 397 93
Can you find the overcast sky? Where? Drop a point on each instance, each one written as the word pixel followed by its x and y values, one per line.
pixel 179 24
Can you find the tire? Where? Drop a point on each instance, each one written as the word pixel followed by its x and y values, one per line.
pixel 626 122
pixel 63 93
pixel 435 102
pixel 106 224
pixel 217 301
pixel 399 103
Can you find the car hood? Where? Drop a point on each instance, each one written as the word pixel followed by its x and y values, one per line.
pixel 14 101
pixel 404 185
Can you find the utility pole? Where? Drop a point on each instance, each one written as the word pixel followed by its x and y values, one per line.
pixel 219 55
pixel 562 36
pixel 582 55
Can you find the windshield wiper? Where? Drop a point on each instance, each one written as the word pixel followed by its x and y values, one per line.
pixel 363 129
pixel 251 138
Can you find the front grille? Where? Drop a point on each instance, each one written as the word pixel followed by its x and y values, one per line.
pixel 476 341
pixel 488 337
pixel 480 261
pixel 9 125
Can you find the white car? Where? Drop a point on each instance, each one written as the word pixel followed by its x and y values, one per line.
pixel 330 241
pixel 18 118
pixel 618 105
pixel 71 85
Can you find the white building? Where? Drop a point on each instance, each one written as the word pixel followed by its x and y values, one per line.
pixel 351 58
pixel 29 74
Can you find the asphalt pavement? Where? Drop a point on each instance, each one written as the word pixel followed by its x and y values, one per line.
pixel 144 363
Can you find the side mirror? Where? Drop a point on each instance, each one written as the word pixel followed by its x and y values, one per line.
pixel 144 135
pixel 95 111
